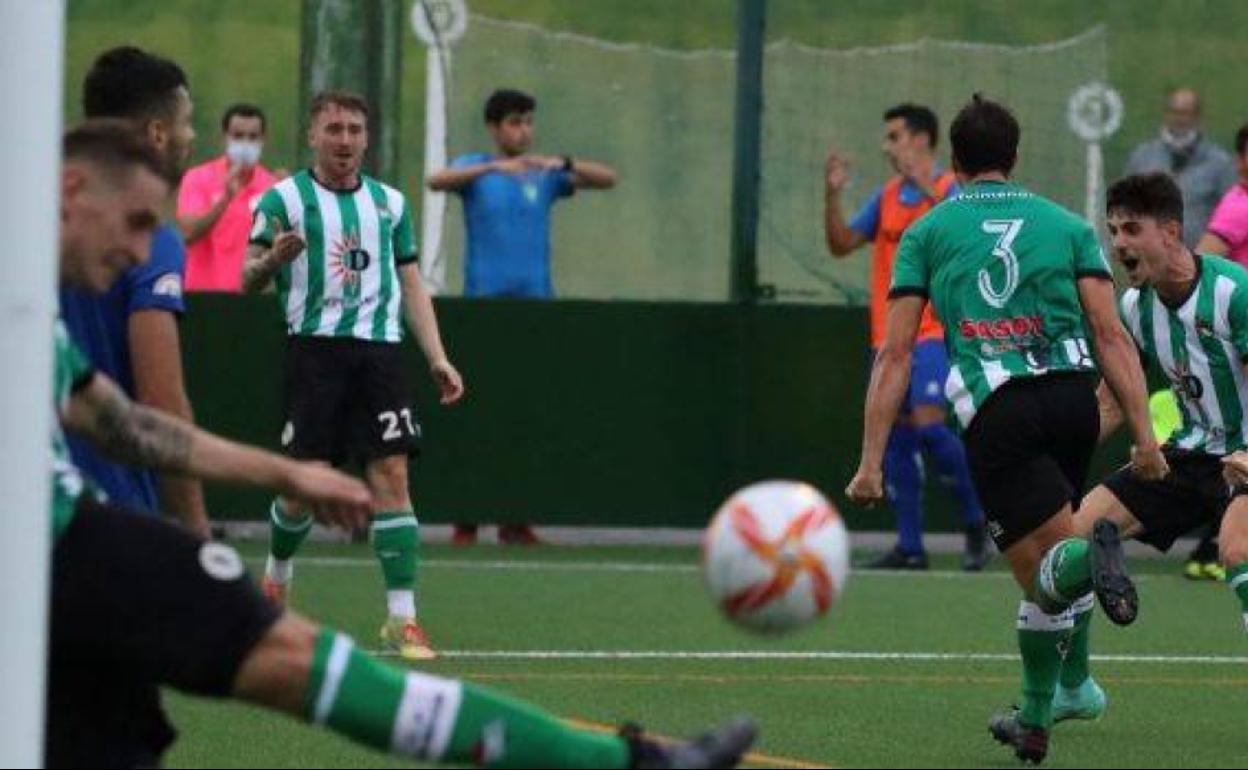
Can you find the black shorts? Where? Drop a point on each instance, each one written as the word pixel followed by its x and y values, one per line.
pixel 347 400
pixel 1029 448
pixel 137 603
pixel 1193 494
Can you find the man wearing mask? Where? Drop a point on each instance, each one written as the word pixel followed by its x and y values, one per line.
pixel 1203 170
pixel 216 200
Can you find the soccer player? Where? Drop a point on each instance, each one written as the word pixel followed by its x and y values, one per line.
pixel 1188 315
pixel 340 247
pixel 910 136
pixel 1022 283
pixel 138 603
pixel 130 332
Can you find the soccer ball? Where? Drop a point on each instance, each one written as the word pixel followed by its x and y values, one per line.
pixel 776 556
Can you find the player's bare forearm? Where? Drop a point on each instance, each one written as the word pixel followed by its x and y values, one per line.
pixel 593 175
pixel 841 239
pixel 1110 412
pixel 140 435
pixel 259 268
pixel 1118 357
pixel 890 375
pixel 421 317
pixel 156 369
pixel 127 431
pixel 452 179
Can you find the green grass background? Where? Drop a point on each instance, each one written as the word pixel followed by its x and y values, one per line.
pixel 843 713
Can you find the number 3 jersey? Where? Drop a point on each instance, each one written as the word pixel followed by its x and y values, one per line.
pixel 346 282
pixel 1001 266
pixel 1201 346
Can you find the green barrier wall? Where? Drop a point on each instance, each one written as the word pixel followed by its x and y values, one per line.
pixel 624 414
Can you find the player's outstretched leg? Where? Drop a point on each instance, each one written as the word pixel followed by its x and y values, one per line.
pixel 1233 546
pixel 287 530
pixel 321 676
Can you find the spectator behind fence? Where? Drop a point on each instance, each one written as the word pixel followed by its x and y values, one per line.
pixel 1203 169
pixel 507 199
pixel 216 200
pixel 1227 233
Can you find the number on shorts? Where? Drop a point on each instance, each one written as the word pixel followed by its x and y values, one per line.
pixel 391 422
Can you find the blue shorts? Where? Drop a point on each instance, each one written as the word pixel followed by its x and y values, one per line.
pixel 929 368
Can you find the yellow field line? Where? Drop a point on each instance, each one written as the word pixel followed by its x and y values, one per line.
pixel 753 757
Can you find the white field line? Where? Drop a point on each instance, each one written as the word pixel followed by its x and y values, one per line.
pixel 832 655
pixel 520 565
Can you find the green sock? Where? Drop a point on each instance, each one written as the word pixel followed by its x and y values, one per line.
pixel 1237 579
pixel 1065 574
pixel 286 534
pixel 1075 662
pixel 396 536
pixel 1041 638
pixel 430 718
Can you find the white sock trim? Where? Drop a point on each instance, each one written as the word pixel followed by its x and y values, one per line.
pixel 1085 603
pixel 1032 618
pixel 281 521
pixel 279 570
pixel 406 521
pixel 426 716
pixel 1237 581
pixel 339 656
pixel 401 603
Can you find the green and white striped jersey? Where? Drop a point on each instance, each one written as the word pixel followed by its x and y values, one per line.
pixel 1200 346
pixel 70 369
pixel 1001 266
pixel 346 282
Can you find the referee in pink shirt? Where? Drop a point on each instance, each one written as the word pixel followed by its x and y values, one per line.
pixel 1227 231
pixel 216 200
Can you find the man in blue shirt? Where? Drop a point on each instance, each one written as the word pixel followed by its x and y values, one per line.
pixel 508 195
pixel 131 332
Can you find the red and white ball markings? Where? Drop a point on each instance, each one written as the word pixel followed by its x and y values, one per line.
pixel 776 556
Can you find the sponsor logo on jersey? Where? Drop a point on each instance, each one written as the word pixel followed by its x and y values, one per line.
pixel 348 260
pixel 1019 327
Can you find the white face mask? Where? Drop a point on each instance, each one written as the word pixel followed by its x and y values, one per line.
pixel 1180 142
pixel 242 152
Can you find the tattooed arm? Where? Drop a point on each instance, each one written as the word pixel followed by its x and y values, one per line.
pixel 135 434
pixel 263 262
